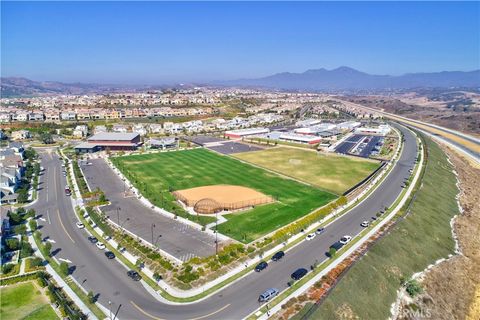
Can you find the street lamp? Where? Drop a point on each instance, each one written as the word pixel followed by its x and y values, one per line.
pixel 159 236
pixel 153 226
pixel 118 215
pixel 121 226
pixel 110 308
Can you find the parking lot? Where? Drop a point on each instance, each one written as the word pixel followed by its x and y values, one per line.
pixel 176 238
pixel 233 147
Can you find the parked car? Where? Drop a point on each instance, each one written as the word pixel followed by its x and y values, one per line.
pixel 80 225
pixel 310 236
pixel 268 294
pixel 337 245
pixel 92 239
pixel 365 224
pixel 345 239
pixel 68 192
pixel 100 245
pixel 261 266
pixel 299 274
pixel 278 255
pixel 134 275
pixel 110 255
pixel 320 230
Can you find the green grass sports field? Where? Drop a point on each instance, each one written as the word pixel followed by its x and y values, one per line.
pixel 327 171
pixel 25 301
pixel 160 173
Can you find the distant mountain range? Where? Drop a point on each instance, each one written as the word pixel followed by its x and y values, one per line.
pixel 342 78
pixel 345 78
pixel 16 86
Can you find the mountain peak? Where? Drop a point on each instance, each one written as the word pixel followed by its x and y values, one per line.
pixel 346 78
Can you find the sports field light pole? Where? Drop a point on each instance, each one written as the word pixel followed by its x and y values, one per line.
pixel 216 233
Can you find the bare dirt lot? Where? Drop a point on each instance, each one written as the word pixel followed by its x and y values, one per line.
pixel 230 197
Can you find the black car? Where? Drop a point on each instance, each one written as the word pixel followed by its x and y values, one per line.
pixel 337 245
pixel 299 274
pixel 110 255
pixel 277 256
pixel 134 275
pixel 262 265
pixel 92 239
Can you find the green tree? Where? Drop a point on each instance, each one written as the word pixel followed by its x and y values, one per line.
pixel 64 269
pixel 91 296
pixel 46 138
pixel 12 244
pixel 48 248
pixel 33 225
pixel 7 268
pixel 22 195
pixel 332 252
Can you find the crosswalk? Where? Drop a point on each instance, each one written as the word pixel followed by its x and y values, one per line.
pixel 187 257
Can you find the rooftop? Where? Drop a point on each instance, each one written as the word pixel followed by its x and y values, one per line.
pixel 113 136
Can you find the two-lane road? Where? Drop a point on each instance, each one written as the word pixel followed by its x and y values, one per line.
pixel 108 278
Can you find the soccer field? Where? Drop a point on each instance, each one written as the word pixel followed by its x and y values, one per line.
pixel 330 172
pixel 157 175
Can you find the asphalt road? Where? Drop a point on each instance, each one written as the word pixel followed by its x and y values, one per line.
pixel 178 239
pixel 108 278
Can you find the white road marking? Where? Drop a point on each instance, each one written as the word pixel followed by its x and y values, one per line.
pixel 65 260
pixel 48 216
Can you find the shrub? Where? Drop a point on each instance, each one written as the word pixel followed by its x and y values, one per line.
pixel 413 288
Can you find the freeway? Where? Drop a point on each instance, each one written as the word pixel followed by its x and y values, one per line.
pixel 108 278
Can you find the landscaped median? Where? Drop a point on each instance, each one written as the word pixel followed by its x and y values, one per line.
pixel 324 268
pixel 179 296
pixel 54 268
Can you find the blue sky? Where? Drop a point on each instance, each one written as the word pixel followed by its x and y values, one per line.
pixel 161 42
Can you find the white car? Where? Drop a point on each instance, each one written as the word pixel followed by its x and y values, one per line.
pixel 345 239
pixel 310 236
pixel 100 245
pixel 80 225
pixel 365 224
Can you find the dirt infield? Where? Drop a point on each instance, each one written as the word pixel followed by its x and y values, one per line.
pixel 211 199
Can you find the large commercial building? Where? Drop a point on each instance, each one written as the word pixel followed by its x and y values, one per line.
pixel 236 134
pixel 113 141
